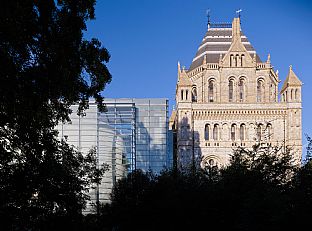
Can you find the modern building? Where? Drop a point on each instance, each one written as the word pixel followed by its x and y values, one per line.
pixel 131 134
pixel 229 98
pixel 152 142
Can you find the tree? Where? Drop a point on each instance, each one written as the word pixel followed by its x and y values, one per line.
pixel 302 192
pixel 254 192
pixel 169 201
pixel 46 66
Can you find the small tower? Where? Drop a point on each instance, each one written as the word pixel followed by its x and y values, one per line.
pixel 228 98
pixel 184 119
pixel 291 94
pixel 291 90
pixel 184 86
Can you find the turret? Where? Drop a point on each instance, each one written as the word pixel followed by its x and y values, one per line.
pixel 184 86
pixel 291 90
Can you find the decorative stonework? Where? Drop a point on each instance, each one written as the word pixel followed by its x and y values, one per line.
pixel 230 99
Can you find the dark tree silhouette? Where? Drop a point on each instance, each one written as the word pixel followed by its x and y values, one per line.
pixel 46 66
pixel 302 193
pixel 255 192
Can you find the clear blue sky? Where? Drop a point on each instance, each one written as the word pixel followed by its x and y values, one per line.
pixel 146 39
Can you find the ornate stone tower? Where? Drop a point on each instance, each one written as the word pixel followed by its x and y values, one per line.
pixel 229 98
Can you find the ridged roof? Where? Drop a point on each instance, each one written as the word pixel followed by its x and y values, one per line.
pixel 215 42
pixel 291 81
pixel 183 79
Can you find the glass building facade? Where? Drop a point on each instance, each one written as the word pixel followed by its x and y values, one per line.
pixel 131 134
pixel 152 151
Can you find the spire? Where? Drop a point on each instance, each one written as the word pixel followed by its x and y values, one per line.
pixel 269 59
pixel 183 79
pixel 220 59
pixel 254 58
pixel 292 80
pixel 239 13
pixel 276 73
pixel 236 30
pixel 268 62
pixel 237 48
pixel 219 39
pixel 208 17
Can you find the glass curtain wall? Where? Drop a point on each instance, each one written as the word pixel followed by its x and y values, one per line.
pixel 131 134
pixel 120 116
pixel 112 134
pixel 152 152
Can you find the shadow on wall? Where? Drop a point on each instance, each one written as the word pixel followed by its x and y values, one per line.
pixel 151 149
pixel 188 149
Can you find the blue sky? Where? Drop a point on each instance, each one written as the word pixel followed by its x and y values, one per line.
pixel 146 39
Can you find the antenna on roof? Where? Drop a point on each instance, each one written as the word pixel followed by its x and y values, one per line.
pixel 208 16
pixel 238 12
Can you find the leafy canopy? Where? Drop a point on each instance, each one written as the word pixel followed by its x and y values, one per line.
pixel 46 66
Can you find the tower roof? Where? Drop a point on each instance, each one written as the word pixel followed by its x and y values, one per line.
pixel 292 80
pixel 216 42
pixel 183 79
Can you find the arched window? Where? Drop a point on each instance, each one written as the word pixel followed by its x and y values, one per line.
pixel 231 60
pixel 242 60
pixel 296 94
pixel 242 132
pixel 211 91
pixel 182 94
pixel 215 132
pixel 194 94
pixel 233 128
pixel 236 60
pixel 241 90
pixel 260 90
pixel 207 127
pixel 186 94
pixel 270 131
pixel 291 94
pixel 211 162
pixel 231 90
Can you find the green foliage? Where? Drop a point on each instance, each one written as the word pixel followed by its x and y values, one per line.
pixel 46 66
